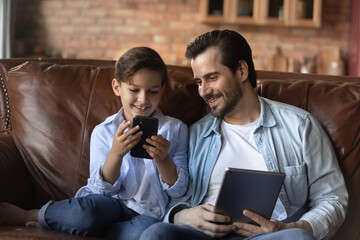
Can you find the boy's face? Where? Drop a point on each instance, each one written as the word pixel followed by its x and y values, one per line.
pixel 141 95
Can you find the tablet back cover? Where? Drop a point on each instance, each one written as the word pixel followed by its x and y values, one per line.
pixel 248 189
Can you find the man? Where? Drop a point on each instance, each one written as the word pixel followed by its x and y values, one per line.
pixel 248 131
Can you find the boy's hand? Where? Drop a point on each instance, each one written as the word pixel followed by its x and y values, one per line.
pixel 123 142
pixel 160 150
pixel 164 163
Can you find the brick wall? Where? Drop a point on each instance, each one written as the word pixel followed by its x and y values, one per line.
pixel 107 28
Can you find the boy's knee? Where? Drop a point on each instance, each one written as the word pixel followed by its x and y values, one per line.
pixel 78 220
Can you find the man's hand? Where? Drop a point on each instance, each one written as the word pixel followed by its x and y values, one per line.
pixel 265 226
pixel 203 219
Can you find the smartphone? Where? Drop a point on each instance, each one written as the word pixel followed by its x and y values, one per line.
pixel 149 127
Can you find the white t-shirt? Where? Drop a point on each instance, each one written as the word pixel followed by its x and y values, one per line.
pixel 239 150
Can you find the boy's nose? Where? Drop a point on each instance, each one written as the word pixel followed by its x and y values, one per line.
pixel 142 97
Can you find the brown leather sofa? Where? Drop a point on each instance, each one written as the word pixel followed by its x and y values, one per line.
pixel 48 108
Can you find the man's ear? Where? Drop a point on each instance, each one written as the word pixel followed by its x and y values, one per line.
pixel 116 86
pixel 242 70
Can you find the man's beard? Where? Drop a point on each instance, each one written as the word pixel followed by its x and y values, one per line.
pixel 231 99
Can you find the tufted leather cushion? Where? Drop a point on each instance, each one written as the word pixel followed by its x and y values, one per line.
pixel 6 64
pixel 54 109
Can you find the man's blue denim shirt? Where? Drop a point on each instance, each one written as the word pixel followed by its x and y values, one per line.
pixel 291 141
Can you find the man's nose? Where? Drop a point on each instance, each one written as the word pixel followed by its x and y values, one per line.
pixel 204 89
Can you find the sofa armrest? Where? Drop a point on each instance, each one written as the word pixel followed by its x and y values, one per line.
pixel 15 182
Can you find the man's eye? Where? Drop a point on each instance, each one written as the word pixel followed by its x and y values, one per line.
pixel 198 83
pixel 213 77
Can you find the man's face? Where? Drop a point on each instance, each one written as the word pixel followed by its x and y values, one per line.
pixel 218 86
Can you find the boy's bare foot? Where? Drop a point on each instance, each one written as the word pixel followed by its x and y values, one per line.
pixel 33 225
pixel 13 215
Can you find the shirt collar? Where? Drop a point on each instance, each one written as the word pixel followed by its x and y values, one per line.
pixel 215 125
pixel 119 118
pixel 266 119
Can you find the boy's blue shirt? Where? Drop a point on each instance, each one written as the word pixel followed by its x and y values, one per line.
pixel 291 141
pixel 129 185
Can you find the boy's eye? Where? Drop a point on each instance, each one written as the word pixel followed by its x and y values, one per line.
pixel 133 90
pixel 153 91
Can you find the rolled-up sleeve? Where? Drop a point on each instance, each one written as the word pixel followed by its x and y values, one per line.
pixel 100 144
pixel 178 153
pixel 328 196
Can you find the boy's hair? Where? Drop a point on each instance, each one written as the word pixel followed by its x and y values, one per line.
pixel 233 48
pixel 138 58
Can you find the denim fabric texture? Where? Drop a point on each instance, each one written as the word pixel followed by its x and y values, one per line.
pixel 94 215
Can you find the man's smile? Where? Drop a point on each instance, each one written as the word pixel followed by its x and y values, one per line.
pixel 213 100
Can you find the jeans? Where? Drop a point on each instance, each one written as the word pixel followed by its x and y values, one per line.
pixel 165 231
pixel 94 215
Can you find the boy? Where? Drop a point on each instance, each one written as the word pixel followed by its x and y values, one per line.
pixel 124 195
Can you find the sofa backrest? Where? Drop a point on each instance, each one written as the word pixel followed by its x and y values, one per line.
pixel 54 105
pixel 7 64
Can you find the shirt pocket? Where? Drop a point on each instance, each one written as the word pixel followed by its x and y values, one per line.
pixel 295 184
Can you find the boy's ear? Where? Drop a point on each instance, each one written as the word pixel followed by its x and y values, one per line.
pixel 116 87
pixel 242 71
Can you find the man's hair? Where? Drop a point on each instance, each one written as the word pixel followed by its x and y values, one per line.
pixel 138 58
pixel 233 48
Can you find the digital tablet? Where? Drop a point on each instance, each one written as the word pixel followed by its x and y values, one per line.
pixel 248 189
